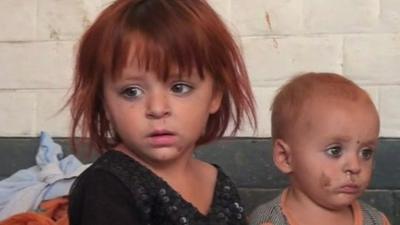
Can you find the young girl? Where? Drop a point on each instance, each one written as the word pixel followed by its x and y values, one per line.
pixel 154 79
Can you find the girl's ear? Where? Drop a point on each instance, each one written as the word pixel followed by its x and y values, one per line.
pixel 216 101
pixel 282 156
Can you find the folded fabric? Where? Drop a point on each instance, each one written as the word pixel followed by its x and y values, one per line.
pixel 52 177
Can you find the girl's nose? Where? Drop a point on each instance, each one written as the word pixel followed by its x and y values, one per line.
pixel 158 106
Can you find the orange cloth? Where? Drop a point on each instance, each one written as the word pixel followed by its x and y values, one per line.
pixel 52 212
pixel 28 218
pixel 56 209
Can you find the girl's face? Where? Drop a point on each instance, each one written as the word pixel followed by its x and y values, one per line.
pixel 331 157
pixel 159 121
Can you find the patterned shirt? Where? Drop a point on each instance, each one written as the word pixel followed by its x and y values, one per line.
pixel 116 189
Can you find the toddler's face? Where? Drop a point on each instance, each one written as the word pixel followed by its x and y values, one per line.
pixel 332 151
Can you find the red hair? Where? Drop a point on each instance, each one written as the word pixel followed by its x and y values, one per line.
pixel 162 34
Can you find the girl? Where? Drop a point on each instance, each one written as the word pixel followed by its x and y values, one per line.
pixel 154 79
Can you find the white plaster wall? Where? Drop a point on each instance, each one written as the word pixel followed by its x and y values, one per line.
pixel 279 38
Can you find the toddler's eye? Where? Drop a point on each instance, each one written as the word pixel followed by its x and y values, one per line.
pixel 181 88
pixel 132 92
pixel 367 153
pixel 335 151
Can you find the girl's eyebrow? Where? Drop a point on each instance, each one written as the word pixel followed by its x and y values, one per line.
pixel 132 75
pixel 174 75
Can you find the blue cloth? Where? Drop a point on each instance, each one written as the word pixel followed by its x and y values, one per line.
pixel 52 177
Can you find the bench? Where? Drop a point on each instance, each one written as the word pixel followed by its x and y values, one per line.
pixel 248 161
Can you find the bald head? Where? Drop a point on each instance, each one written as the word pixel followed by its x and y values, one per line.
pixel 294 97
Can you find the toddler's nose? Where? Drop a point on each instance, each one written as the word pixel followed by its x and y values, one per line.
pixel 352 164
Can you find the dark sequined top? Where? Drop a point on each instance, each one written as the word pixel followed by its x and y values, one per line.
pixel 118 190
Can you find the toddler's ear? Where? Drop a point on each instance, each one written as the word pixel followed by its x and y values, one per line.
pixel 282 156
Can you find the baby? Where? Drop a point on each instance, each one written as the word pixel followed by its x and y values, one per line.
pixel 325 132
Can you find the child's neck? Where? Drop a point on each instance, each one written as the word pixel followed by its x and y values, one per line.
pixel 301 210
pixel 178 171
pixel 194 180
pixel 195 184
pixel 166 169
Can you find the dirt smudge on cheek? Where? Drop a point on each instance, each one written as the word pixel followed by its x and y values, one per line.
pixel 324 180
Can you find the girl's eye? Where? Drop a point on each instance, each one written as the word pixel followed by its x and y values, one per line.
pixel 367 153
pixel 181 88
pixel 335 151
pixel 132 92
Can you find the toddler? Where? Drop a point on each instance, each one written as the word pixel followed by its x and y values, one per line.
pixel 325 134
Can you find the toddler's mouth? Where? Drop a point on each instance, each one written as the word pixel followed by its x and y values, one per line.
pixel 350 189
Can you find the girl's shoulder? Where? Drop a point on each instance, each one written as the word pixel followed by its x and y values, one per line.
pixel 117 175
pixel 103 172
pixel 113 169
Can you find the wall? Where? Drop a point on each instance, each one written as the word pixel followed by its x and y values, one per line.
pixel 359 38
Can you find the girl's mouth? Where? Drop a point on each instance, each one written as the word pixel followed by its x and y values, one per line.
pixel 162 138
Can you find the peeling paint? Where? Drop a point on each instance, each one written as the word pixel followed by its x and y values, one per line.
pixel 54 35
pixel 268 20
pixel 275 43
